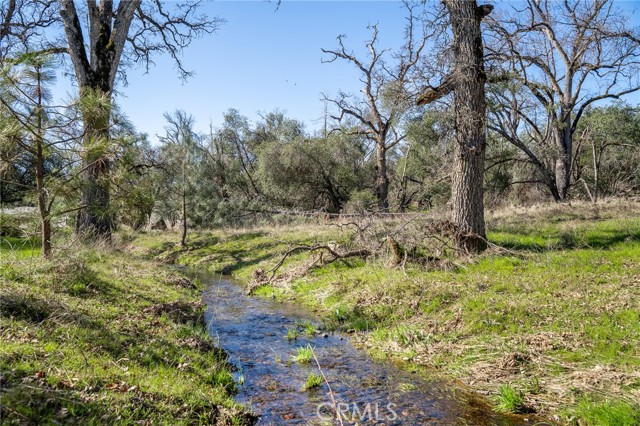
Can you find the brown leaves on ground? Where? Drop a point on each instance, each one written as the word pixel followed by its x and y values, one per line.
pixel 179 312
pixel 607 378
pixel 182 282
pixel 198 343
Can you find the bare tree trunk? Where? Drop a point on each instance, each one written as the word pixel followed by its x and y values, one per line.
pixel 597 157
pixel 382 179
pixel 563 162
pixel 334 195
pixel 183 239
pixel 470 109
pixel 553 188
pixel 404 183
pixel 45 220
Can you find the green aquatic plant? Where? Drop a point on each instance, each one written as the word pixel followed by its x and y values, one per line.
pixel 292 334
pixel 304 354
pixel 313 381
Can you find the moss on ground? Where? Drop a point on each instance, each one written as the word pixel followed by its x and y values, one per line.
pixel 98 336
pixel 556 316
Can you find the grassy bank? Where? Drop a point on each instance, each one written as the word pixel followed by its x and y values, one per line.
pixel 551 324
pixel 96 336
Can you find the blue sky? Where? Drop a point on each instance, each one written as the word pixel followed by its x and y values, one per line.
pixel 259 61
pixel 262 60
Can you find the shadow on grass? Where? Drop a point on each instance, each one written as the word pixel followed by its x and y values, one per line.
pixel 239 262
pixel 245 236
pixel 25 307
pixel 36 310
pixel 29 401
pixel 568 240
pixel 82 281
pixel 355 317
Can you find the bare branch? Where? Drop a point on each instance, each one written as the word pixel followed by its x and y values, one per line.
pixel 563 58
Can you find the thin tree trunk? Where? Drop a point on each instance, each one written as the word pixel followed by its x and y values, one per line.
pixel 596 170
pixel 404 183
pixel 183 240
pixel 563 162
pixel 470 121
pixel 46 236
pixel 45 220
pixel 382 180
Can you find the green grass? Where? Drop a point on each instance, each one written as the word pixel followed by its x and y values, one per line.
pixel 237 252
pixel 98 336
pixel 313 381
pixel 306 327
pixel 606 413
pixel 19 248
pixel 292 333
pixel 509 400
pixel 556 313
pixel 304 354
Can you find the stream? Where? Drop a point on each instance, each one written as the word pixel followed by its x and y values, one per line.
pixel 253 331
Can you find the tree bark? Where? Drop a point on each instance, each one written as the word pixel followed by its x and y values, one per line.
pixel 596 170
pixel 96 73
pixel 382 178
pixel 470 109
pixel 95 220
pixel 183 239
pixel 45 219
pixel 563 162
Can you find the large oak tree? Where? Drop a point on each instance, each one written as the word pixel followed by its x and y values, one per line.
pixel 560 58
pixel 469 78
pixel 118 33
pixel 466 80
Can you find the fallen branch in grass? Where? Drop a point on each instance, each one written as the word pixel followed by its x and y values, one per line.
pixel 426 243
pixel 260 277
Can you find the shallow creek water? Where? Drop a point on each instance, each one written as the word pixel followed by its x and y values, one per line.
pixel 253 331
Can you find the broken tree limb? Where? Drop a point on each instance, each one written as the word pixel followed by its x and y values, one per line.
pixel 260 278
pixel 432 94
